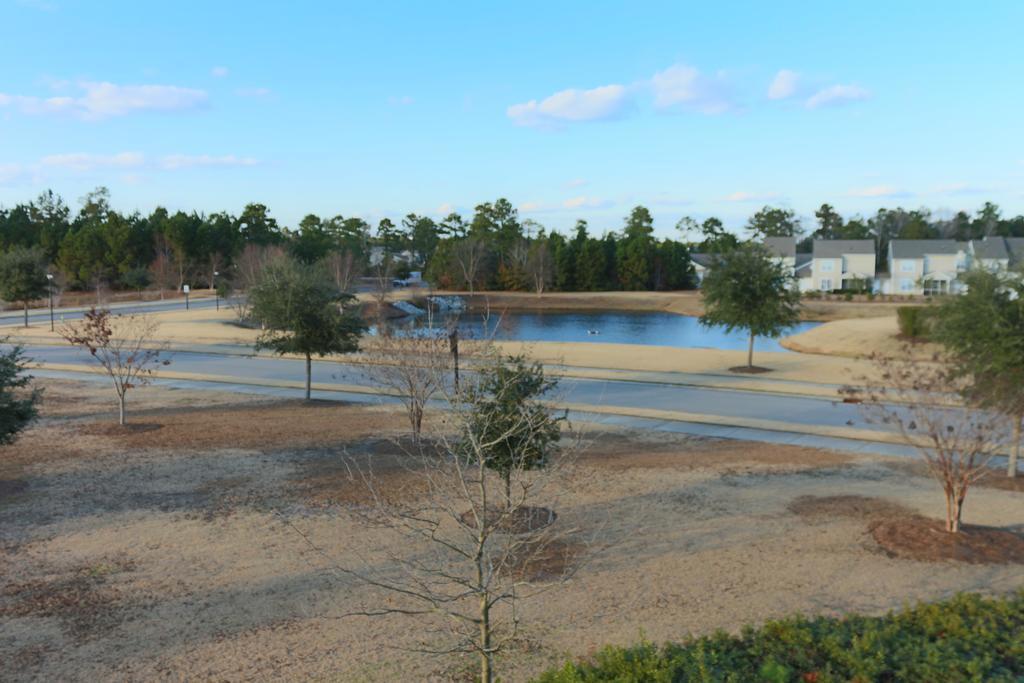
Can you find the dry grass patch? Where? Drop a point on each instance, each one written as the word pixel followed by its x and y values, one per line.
pixel 857 507
pixel 291 424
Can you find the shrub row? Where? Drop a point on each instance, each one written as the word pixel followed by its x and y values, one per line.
pixel 967 638
pixel 914 321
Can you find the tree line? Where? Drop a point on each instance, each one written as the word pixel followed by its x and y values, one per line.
pixel 494 248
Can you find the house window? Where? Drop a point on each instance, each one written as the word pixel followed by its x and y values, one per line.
pixel 827 266
pixel 906 266
pixel 936 287
pixel 826 285
pixel 906 284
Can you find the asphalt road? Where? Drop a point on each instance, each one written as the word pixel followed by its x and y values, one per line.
pixel 42 316
pixel 606 393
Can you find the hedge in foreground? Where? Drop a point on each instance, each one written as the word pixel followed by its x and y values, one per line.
pixel 967 638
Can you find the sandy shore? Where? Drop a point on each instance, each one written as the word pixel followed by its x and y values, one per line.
pixel 819 364
pixel 162 553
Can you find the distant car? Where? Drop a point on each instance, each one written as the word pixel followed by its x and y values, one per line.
pixel 399 283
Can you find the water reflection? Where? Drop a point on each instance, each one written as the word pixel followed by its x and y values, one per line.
pixel 608 327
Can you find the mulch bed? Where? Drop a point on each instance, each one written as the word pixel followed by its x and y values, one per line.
pixel 926 540
pixel 903 534
pixel 749 370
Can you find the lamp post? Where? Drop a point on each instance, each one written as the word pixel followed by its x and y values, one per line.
pixel 49 291
pixel 216 292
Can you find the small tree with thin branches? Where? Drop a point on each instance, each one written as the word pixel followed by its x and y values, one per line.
pixel 461 550
pixel 920 399
pixel 412 367
pixel 124 346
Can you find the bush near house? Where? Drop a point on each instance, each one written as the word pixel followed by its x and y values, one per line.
pixel 914 322
pixel 967 638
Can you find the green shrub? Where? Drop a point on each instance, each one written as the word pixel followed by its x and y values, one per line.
pixel 914 321
pixel 967 638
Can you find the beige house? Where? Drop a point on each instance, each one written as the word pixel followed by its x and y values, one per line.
pixel 839 264
pixel 926 266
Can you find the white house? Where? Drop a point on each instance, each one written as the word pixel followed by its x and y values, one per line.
pixel 926 266
pixel 990 253
pixel 838 264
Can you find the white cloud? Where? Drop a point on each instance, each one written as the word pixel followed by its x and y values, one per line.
pixel 403 101
pixel 749 197
pixel 89 162
pixel 571 106
pixel 533 207
pixel 879 191
pixel 836 95
pixel 219 72
pixel 253 92
pixel 685 86
pixel 175 161
pixel 445 209
pixel 576 182
pixel 584 202
pixel 103 100
pixel 784 85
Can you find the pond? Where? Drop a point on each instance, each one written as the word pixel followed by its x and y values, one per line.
pixel 605 327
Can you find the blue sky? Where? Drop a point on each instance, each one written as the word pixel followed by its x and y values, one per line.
pixel 569 109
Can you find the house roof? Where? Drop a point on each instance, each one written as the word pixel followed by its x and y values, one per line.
pixel 838 248
pixel 781 246
pixel 703 260
pixel 990 248
pixel 911 249
pixel 1015 245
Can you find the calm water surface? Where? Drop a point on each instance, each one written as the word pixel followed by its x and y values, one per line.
pixel 611 327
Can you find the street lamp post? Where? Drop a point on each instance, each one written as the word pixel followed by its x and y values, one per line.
pixel 216 292
pixel 49 291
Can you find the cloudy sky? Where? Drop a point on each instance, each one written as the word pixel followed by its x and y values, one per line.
pixel 569 109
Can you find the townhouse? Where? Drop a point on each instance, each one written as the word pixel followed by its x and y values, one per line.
pixel 838 264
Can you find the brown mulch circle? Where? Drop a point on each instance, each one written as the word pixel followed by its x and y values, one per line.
pixel 748 370
pixel 860 507
pixel 521 521
pixel 923 539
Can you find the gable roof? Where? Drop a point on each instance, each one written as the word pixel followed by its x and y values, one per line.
pixel 781 246
pixel 838 248
pixel 912 249
pixel 990 248
pixel 703 260
pixel 1015 245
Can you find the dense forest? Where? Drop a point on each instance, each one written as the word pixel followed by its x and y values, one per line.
pixel 493 248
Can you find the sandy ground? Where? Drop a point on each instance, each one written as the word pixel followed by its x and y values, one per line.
pixel 856 338
pixel 164 552
pixel 185 329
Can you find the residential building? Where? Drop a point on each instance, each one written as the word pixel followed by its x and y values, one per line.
pixel 838 264
pixel 783 249
pixel 926 266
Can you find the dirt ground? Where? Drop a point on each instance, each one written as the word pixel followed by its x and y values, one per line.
pixel 170 550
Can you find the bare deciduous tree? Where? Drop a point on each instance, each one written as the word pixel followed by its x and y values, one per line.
pixel 454 553
pixel 250 267
pixel 470 253
pixel 414 368
pixel 163 266
pixel 920 399
pixel 124 346
pixel 540 265
pixel 342 267
pixel 383 272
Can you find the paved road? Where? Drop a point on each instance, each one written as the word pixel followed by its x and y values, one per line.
pixel 627 394
pixel 38 316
